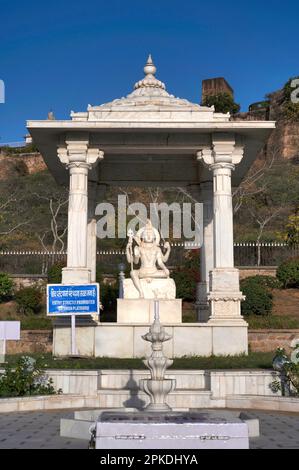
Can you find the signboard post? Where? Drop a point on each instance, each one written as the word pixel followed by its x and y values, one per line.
pixel 9 330
pixel 73 334
pixel 72 300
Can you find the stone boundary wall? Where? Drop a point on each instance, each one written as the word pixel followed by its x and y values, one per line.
pixel 33 279
pixel 28 280
pixel 255 271
pixel 270 340
pixel 32 341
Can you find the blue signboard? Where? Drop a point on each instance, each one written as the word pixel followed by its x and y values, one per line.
pixel 72 299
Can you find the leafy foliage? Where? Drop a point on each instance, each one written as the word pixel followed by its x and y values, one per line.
pixel 259 299
pixel 25 378
pixel 289 371
pixel 291 234
pixel 268 282
pixel 109 295
pixel 55 273
pixel 29 148
pixel 288 273
pixel 29 300
pixel 252 361
pixel 223 102
pixel 187 276
pixel 290 109
pixel 6 287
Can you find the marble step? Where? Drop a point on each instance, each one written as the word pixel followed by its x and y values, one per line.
pixel 179 399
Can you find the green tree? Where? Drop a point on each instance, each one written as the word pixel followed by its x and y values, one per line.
pixel 290 110
pixel 291 233
pixel 223 102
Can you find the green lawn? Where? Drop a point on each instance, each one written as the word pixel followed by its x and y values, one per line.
pixel 252 361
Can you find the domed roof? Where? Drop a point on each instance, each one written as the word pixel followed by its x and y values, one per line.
pixel 150 101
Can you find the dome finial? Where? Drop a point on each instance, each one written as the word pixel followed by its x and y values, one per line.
pixel 150 81
pixel 149 68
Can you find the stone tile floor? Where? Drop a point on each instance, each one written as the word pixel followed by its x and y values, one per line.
pixel 40 430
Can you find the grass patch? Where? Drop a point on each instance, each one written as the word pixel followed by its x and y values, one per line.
pixel 252 361
pixel 9 312
pixel 272 322
pixel 36 323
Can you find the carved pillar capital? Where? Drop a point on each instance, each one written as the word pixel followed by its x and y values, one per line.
pixel 224 153
pixel 79 154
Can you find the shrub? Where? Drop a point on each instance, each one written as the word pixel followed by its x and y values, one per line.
pixel 187 276
pixel 268 282
pixel 259 300
pixel 29 300
pixel 6 286
pixel 25 378
pixel 55 273
pixel 290 110
pixel 185 285
pixel 288 382
pixel 109 295
pixel 288 273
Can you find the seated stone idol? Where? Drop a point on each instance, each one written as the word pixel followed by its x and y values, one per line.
pixel 152 279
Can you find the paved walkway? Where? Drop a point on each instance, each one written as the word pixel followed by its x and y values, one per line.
pixel 40 430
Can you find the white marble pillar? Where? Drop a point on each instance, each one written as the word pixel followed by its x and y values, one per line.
pixel 224 296
pixel 203 193
pixel 96 194
pixel 206 252
pixel 91 230
pixel 79 159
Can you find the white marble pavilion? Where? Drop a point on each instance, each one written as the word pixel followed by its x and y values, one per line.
pixel 152 138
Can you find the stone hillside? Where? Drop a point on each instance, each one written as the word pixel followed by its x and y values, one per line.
pixel 12 166
pixel 284 141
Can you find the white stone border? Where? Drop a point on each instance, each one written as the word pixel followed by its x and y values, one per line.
pixel 239 389
pixel 281 404
pixel 49 402
pixel 64 402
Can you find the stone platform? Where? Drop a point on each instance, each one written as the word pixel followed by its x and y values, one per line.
pixel 171 430
pixel 133 311
pixel 132 428
pixel 125 341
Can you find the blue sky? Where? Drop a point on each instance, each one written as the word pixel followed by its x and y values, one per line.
pixel 63 55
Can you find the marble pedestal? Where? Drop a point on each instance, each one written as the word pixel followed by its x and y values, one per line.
pixel 152 288
pixel 124 341
pixel 134 311
pixel 171 430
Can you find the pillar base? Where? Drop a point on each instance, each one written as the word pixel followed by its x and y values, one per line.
pixel 226 307
pixel 76 276
pixel 225 297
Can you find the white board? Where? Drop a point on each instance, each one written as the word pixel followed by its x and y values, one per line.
pixel 10 330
